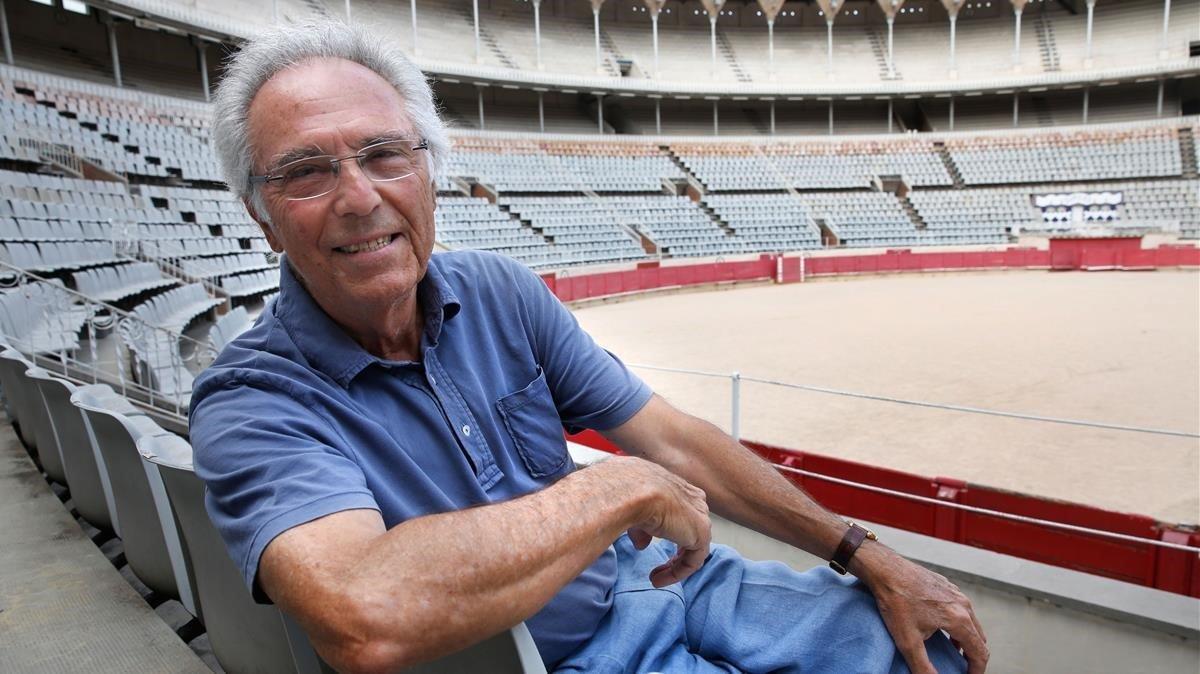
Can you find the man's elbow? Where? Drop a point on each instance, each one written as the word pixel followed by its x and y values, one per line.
pixel 359 640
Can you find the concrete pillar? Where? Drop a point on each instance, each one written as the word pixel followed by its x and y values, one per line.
pixel 1016 108
pixel 413 6
pixel 1166 26
pixel 891 116
pixel 658 116
pixel 541 112
pixel 1087 94
pixel 347 10
pixel 831 116
pixel 772 116
pixel 712 24
pixel 474 23
pixel 600 112
pixel 479 90
pixel 654 33
pixel 110 24
pixel 1016 37
pixel 716 124
pixel 202 52
pixel 829 46
pixel 1162 85
pixel 537 31
pixel 771 47
pixel 8 55
pixel 953 45
pixel 1091 16
pixel 952 9
pixel 951 113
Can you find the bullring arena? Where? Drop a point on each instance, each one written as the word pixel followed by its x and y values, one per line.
pixel 937 261
pixel 1015 341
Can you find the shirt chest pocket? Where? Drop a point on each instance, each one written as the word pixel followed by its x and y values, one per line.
pixel 536 430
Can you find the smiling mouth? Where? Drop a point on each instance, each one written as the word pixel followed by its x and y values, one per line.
pixel 368 246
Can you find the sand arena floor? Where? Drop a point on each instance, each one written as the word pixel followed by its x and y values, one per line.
pixel 1111 347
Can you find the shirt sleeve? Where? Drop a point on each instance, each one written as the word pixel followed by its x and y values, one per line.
pixel 270 464
pixel 591 387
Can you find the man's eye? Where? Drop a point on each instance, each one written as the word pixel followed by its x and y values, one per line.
pixel 302 171
pixel 388 155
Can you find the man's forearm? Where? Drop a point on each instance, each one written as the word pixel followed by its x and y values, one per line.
pixel 475 572
pixel 750 491
pixel 377 600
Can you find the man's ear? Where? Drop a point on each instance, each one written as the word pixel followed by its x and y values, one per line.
pixel 267 230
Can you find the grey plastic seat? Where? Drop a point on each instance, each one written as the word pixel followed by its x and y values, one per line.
pixel 47 439
pixel 90 489
pixel 152 551
pixel 247 636
pixel 17 395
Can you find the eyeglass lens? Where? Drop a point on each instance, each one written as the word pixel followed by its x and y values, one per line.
pixel 316 176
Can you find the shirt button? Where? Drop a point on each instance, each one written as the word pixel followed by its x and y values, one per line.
pixel 466 430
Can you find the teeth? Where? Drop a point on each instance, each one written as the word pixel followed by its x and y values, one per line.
pixel 368 246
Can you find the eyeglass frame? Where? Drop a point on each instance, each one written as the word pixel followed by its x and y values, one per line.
pixel 335 166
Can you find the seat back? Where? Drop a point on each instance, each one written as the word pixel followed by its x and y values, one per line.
pixel 141 531
pixel 17 395
pixel 91 494
pixel 246 636
pixel 43 430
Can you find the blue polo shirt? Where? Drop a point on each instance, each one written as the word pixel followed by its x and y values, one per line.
pixel 294 420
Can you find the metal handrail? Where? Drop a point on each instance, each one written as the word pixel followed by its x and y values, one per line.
pixel 736 379
pixel 140 344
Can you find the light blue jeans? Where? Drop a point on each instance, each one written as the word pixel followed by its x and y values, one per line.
pixel 735 615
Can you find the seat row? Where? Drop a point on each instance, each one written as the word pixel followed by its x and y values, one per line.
pixel 132 479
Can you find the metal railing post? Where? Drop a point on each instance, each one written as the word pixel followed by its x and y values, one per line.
pixel 735 425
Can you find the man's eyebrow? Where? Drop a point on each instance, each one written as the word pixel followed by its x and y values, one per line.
pixel 385 137
pixel 294 154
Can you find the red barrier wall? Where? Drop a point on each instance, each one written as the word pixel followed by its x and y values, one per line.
pixel 1144 564
pixel 1064 254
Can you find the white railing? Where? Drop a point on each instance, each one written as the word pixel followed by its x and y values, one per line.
pixel 735 390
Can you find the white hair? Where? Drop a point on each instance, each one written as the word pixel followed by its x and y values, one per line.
pixel 284 46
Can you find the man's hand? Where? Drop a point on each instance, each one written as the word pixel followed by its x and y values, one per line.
pixel 916 602
pixel 676 510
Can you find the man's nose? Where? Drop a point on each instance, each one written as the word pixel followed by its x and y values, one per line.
pixel 355 193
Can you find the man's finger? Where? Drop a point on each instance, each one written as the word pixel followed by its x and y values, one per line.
pixel 978 625
pixel 684 563
pixel 916 657
pixel 973 647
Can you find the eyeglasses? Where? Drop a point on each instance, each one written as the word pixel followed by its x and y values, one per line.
pixel 313 177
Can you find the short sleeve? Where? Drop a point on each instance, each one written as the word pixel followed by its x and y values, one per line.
pixel 270 464
pixel 591 387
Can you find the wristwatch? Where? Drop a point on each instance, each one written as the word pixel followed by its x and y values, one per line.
pixel 854 537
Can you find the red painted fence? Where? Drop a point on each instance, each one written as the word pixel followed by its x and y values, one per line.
pixel 1175 571
pixel 1064 254
pixel 1166 569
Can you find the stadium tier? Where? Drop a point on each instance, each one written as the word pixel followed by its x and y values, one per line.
pixel 1055 37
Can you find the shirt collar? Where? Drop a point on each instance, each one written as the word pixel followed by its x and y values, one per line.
pixel 326 345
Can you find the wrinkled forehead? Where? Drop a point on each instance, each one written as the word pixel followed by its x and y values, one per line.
pixel 323 104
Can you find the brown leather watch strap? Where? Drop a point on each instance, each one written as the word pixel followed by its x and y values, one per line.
pixel 854 537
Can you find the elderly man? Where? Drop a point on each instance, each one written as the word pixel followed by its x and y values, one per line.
pixel 384 451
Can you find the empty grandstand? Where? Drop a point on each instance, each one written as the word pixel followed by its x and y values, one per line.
pixel 615 148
